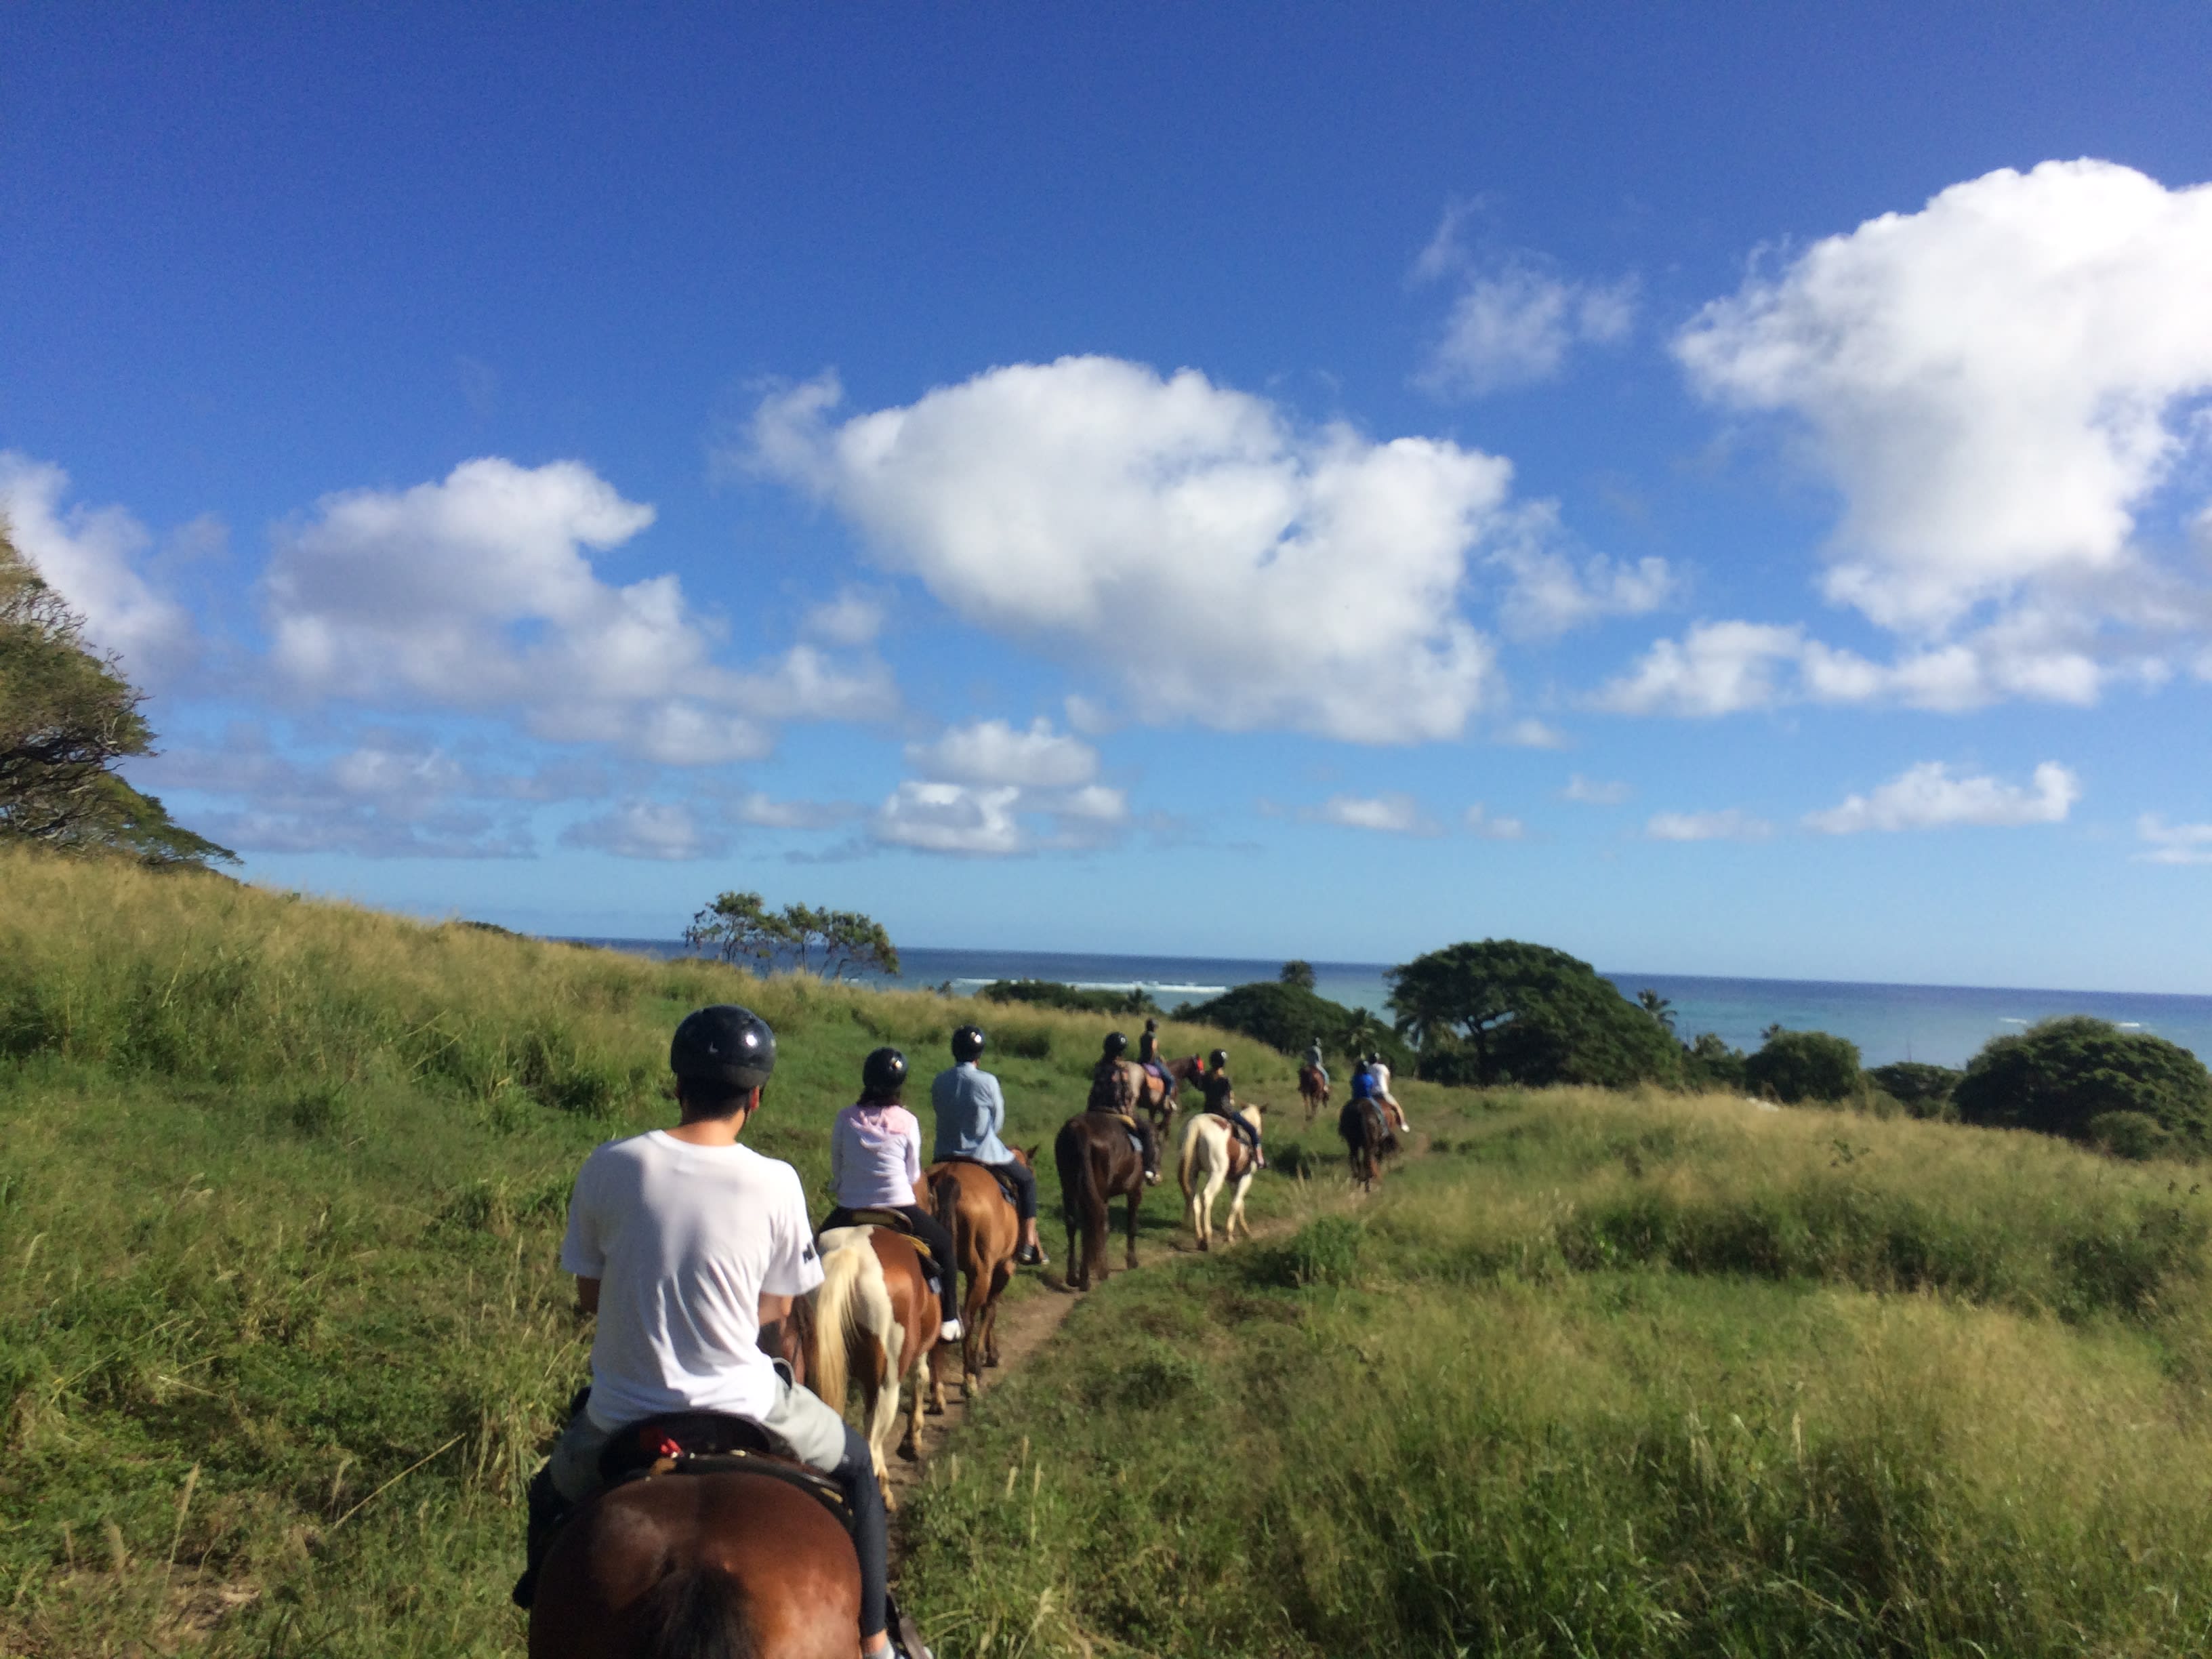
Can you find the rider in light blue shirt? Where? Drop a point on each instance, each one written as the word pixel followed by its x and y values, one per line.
pixel 970 1110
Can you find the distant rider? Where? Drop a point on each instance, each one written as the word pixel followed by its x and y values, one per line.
pixel 1113 1088
pixel 689 1248
pixel 971 1109
pixel 1381 1075
pixel 875 1159
pixel 1221 1100
pixel 1312 1058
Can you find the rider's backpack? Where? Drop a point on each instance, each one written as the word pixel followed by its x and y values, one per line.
pixel 1110 1090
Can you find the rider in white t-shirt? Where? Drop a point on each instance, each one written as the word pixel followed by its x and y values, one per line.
pixel 689 1248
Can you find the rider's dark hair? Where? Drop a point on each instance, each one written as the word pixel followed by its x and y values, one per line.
pixel 708 1098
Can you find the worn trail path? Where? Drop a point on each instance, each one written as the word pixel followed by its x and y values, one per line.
pixel 1026 1325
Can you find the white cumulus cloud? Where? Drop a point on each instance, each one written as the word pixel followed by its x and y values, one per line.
pixel 952 818
pixel 1731 824
pixel 92 556
pixel 654 830
pixel 1512 322
pixel 1490 826
pixel 993 752
pixel 1927 797
pixel 1994 383
pixel 1595 791
pixel 478 591
pixel 1393 813
pixel 1225 567
pixel 2174 843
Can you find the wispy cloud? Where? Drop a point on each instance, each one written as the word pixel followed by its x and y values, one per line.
pixel 2174 843
pixel 1595 791
pixel 1393 813
pixel 1731 824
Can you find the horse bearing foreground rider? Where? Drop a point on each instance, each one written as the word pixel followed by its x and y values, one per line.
pixel 689 1248
pixel 1103 1152
pixel 874 1322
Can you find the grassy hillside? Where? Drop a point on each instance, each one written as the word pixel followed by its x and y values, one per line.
pixel 1617 1375
pixel 281 1191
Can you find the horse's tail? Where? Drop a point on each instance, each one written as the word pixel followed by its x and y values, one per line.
pixel 945 1205
pixel 1080 1205
pixel 698 1611
pixel 837 1316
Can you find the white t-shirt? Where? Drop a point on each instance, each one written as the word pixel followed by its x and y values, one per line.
pixel 684 1241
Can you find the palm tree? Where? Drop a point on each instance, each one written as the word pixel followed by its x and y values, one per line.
pixel 1658 1007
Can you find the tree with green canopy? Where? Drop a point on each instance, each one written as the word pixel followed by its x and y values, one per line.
pixel 830 942
pixel 2067 1076
pixel 1796 1067
pixel 1297 972
pixel 1502 1010
pixel 67 717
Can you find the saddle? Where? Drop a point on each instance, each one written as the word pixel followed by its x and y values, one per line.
pixel 892 1220
pixel 710 1442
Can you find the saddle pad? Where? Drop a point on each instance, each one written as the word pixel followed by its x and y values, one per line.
pixel 892 1221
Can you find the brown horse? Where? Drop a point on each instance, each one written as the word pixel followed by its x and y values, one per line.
pixel 874 1322
pixel 1367 1137
pixel 1313 1090
pixel 965 1196
pixel 1099 1161
pixel 703 1566
pixel 1156 1097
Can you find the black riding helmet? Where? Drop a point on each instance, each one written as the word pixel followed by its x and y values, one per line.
pixel 724 1044
pixel 1115 1044
pixel 1219 1059
pixel 968 1043
pixel 882 1074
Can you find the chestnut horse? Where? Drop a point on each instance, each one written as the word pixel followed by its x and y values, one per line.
pixel 965 1196
pixel 875 1322
pixel 1156 1097
pixel 1212 1153
pixel 1099 1161
pixel 703 1566
pixel 1367 1137
pixel 1313 1090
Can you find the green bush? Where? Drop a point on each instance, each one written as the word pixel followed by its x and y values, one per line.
pixel 2129 1135
pixel 1923 1089
pixel 1289 1017
pixel 1797 1067
pixel 2059 1078
pixel 1710 1063
pixel 1325 1251
pixel 1051 993
pixel 1505 1012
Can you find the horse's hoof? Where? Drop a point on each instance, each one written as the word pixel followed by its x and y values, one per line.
pixel 930 1410
pixel 991 1362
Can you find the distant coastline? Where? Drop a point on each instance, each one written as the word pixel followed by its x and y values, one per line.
pixel 1944 1023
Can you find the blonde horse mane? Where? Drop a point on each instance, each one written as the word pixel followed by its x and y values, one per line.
pixel 853 1298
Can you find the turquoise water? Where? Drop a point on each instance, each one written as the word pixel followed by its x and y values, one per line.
pixel 1945 1024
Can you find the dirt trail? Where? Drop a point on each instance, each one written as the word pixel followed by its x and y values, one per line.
pixel 1024 1327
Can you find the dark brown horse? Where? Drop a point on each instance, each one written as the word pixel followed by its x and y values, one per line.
pixel 966 1197
pixel 1367 1137
pixel 1099 1161
pixel 699 1567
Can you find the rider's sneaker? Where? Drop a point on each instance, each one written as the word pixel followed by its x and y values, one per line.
pixel 1152 1177
pixel 949 1331
pixel 1031 1256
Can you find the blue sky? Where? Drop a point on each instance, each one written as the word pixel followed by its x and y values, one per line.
pixel 1716 490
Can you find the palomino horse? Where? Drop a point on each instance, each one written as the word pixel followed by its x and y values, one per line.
pixel 1313 1089
pixel 1367 1137
pixel 1099 1161
pixel 965 1196
pixel 740 1567
pixel 1213 1153
pixel 875 1321
pixel 1155 1097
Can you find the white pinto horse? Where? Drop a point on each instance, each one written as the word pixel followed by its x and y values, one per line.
pixel 1212 1155
pixel 862 1334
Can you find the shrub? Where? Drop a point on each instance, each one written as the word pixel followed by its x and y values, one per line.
pixel 1325 1251
pixel 2129 1135
pixel 2061 1077
pixel 1795 1067
pixel 1921 1089
pixel 1710 1063
pixel 1289 1017
pixel 1051 993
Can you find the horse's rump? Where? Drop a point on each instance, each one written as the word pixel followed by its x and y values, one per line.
pixel 719 1565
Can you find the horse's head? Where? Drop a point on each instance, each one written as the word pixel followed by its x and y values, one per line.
pixel 1026 1156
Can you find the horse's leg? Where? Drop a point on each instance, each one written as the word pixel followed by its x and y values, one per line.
pixel 1236 1221
pixel 1097 1220
pixel 1136 1197
pixel 1001 1276
pixel 981 1294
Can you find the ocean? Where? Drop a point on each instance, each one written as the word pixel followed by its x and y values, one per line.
pixel 1944 1023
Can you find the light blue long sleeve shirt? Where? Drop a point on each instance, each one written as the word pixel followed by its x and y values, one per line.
pixel 970 1110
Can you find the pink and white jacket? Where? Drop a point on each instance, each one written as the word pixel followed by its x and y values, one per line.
pixel 875 1157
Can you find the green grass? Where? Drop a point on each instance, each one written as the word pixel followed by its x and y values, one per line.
pixel 280 1334
pixel 1446 1422
pixel 282 1186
